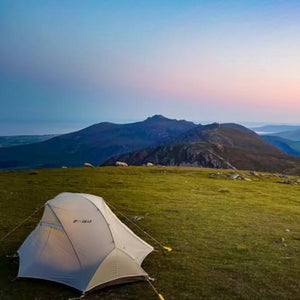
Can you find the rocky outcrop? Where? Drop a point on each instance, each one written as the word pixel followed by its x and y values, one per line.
pixel 196 155
pixel 227 146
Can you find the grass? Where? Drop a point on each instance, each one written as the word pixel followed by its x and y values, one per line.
pixel 225 233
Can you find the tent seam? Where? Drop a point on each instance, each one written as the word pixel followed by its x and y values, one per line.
pixel 67 236
pixel 41 252
pixel 98 268
pixel 121 277
pixel 125 276
pixel 108 224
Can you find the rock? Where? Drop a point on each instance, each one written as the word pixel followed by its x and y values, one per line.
pixel 235 176
pixel 64 167
pixel 33 173
pixel 247 179
pixel 287 230
pixel 285 182
pixel 136 218
pixel 283 176
pixel 149 164
pixel 253 173
pixel 88 165
pixel 121 164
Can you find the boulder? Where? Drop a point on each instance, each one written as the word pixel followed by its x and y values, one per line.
pixel 121 164
pixel 88 165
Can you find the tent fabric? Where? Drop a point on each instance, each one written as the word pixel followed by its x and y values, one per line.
pixel 80 242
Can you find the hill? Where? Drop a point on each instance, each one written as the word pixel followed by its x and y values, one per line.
pixel 288 146
pixel 231 239
pixel 218 146
pixel 276 128
pixel 231 135
pixel 17 140
pixel 94 144
pixel 291 135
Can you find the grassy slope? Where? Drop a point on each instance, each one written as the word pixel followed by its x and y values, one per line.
pixel 223 231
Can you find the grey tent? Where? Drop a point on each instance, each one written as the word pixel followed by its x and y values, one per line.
pixel 81 243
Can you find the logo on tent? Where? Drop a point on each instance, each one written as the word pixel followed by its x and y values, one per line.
pixel 82 221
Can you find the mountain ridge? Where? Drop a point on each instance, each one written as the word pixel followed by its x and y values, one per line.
pixel 163 140
pixel 94 144
pixel 290 147
pixel 217 146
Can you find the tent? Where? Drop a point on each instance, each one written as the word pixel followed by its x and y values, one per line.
pixel 81 243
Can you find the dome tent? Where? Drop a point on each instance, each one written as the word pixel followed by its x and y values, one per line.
pixel 81 243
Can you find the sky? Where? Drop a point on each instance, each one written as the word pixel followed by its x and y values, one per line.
pixel 66 64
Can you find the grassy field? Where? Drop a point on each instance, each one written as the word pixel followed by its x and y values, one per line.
pixel 225 234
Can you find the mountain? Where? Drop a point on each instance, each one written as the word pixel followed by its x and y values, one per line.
pixel 288 146
pixel 291 134
pixel 17 140
pixel 218 146
pixel 275 128
pixel 228 134
pixel 94 144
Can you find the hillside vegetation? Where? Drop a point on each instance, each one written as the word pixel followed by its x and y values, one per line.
pixel 231 239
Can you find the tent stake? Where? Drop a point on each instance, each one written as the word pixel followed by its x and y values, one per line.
pixel 160 297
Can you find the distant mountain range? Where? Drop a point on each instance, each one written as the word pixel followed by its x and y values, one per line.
pixel 17 140
pixel 293 135
pixel 158 140
pixel 271 129
pixel 288 146
pixel 284 137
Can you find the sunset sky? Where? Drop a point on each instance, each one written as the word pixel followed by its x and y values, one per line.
pixel 68 64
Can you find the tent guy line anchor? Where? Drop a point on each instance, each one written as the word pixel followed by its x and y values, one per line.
pixel 160 297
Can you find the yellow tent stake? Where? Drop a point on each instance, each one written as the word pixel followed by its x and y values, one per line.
pixel 169 249
pixel 160 297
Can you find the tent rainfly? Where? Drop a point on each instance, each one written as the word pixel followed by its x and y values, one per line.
pixel 81 243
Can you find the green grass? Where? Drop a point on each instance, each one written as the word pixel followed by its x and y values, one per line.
pixel 224 233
